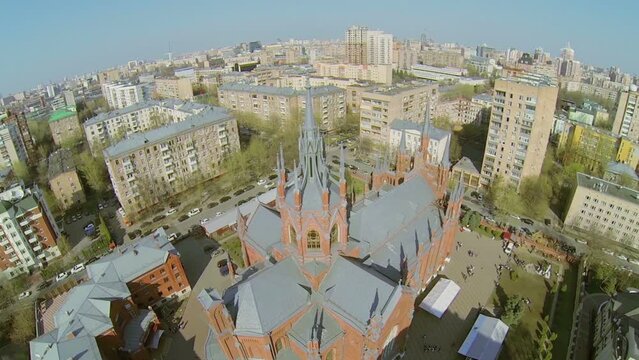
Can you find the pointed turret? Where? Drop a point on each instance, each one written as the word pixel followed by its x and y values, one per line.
pixel 309 118
pixel 402 142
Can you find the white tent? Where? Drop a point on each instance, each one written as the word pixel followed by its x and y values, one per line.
pixel 440 297
pixel 484 339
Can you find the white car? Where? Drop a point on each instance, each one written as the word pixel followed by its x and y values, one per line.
pixel 466 229
pixel 608 252
pixel 76 269
pixel 204 221
pixel 269 185
pixel 261 182
pixel 584 242
pixel 24 295
pixel 170 212
pixel 172 236
pixel 194 212
pixel 509 248
pixel 61 276
pixel 218 214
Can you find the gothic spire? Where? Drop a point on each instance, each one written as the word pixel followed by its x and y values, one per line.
pixel 342 171
pixel 309 119
pixel 402 142
pixel 427 120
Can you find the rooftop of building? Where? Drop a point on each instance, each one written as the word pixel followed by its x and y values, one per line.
pixel 483 97
pixel 622 169
pixel 62 113
pixel 277 91
pixel 532 79
pixel 433 132
pixel 185 106
pixel 398 88
pixel 60 161
pixel 607 187
pixel 214 115
pixel 466 165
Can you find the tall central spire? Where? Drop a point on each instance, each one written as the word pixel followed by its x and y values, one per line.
pixel 311 145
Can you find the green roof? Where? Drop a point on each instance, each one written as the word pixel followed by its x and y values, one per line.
pixel 62 113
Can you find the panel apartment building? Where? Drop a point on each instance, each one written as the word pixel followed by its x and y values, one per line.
pixel 269 102
pixel 606 208
pixel 64 180
pixel 120 95
pixel 110 127
pixel 519 128
pixel 12 148
pixel 148 167
pixel 382 74
pixel 28 232
pixel 380 106
pixel 174 87
pixel 627 117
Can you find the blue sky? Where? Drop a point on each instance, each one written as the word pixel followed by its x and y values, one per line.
pixel 46 40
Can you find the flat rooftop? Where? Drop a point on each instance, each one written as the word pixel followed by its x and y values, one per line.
pixel 607 187
pixel 398 88
pixel 533 79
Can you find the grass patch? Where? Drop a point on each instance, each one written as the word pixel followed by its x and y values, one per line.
pixel 562 323
pixel 357 186
pixel 520 341
pixel 234 247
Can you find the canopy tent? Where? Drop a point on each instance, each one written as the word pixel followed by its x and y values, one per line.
pixel 484 340
pixel 440 297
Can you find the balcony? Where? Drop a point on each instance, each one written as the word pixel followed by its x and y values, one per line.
pixel 28 232
pixel 24 222
pixel 41 256
pixel 14 258
pixel 35 217
pixel 166 156
pixel 32 240
pixel 37 248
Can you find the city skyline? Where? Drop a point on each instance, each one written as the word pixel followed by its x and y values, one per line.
pixel 140 32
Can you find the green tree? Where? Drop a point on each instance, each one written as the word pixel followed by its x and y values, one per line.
pixel 94 171
pixel 23 326
pixel 104 230
pixel 513 310
pixel 21 171
pixel 455 148
pixel 534 193
pixel 63 245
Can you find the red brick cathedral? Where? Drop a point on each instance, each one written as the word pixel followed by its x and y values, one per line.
pixel 327 280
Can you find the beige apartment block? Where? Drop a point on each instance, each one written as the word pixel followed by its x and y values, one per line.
pixel 64 124
pixel 149 167
pixel 382 74
pixel 64 180
pixel 605 208
pixel 283 103
pixel 627 118
pixel 380 106
pixel 519 128
pixel 178 88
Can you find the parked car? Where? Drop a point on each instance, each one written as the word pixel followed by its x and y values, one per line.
pixel 526 231
pixel 582 241
pixel 225 199
pixel 61 276
pixel 24 295
pixel 465 207
pixel 102 206
pixel 173 236
pixel 183 217
pixel 269 185
pixel 159 217
pixel 204 221
pixel 239 192
pixel 527 221
pixel 218 214
pixel 509 247
pixel 170 212
pixel 608 252
pixel 212 204
pixel 194 212
pixel 272 176
pixel 223 267
pixel 89 229
pixel 261 182
pixel 77 268
pixel 43 285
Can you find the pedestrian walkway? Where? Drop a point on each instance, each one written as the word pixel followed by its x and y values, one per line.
pixel 450 331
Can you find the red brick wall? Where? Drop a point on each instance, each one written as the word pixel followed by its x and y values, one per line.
pixel 159 283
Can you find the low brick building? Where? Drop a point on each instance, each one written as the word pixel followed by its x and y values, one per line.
pixel 64 180
pixel 111 316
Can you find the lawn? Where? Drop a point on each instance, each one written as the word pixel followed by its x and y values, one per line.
pixel 562 323
pixel 357 186
pixel 520 341
pixel 234 247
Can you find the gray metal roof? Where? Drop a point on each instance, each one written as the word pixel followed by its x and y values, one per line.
pixel 270 297
pixel 466 165
pixel 620 168
pixel 400 124
pixel 278 91
pixel 138 141
pixel 47 347
pixel 60 161
pixel 610 188
pixel 316 324
pixel 264 228
pixel 212 348
pixel 185 106
pixel 130 261
pixel 347 278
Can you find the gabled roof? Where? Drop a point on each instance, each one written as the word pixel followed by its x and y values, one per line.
pixel 269 298
pixel 316 324
pixel 60 161
pixel 466 165
pixel 129 262
pixel 46 347
pixel 264 228
pixel 356 292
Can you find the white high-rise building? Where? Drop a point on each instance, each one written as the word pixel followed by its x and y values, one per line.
pixel 365 46
pixel 121 95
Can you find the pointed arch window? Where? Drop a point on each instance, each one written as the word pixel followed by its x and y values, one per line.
pixel 330 355
pixel 292 235
pixel 312 240
pixel 334 234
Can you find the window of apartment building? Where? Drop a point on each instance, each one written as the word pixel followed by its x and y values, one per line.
pixel 166 280
pixel 152 276
pixel 170 288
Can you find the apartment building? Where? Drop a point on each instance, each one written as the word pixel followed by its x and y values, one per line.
pixel 465 111
pixel 28 232
pixel 12 149
pixel 269 102
pixel 111 127
pixel 413 133
pixel 112 314
pixel 442 58
pixel 148 167
pixel 64 125
pixel 605 208
pixel 298 82
pixel 20 120
pixel 64 180
pixel 365 46
pixel 382 74
pixel 174 87
pixel 519 129
pixel 627 118
pixel 356 45
pixel 120 95
pixel 380 106
pixel 109 75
